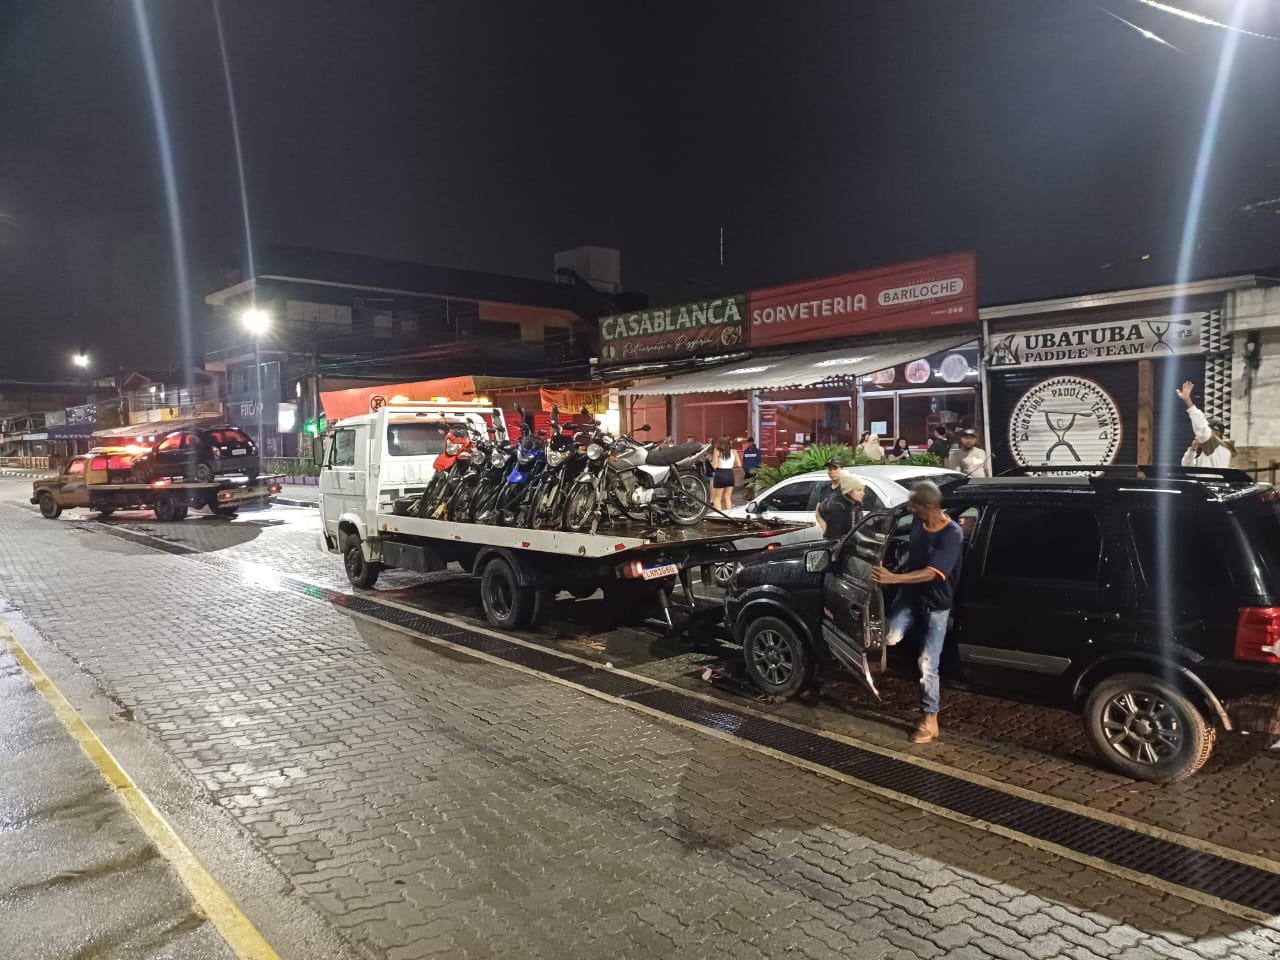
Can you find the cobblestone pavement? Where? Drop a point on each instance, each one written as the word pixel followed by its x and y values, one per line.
pixel 431 803
pixel 79 877
pixel 1030 747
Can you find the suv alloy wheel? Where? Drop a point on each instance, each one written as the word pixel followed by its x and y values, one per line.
pixel 1146 728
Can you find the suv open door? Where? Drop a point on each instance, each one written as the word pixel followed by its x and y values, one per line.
pixel 853 614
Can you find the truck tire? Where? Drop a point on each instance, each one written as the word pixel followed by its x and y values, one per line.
pixel 507 605
pixel 544 604
pixel 106 511
pixel 779 662
pixel 1146 728
pixel 361 571
pixel 50 509
pixel 167 509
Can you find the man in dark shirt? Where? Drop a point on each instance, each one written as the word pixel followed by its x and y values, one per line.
pixel 926 589
pixel 940 446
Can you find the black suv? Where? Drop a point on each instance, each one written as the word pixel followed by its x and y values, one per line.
pixel 199 454
pixel 1146 599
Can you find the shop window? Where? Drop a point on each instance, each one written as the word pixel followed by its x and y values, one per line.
pixel 1045 543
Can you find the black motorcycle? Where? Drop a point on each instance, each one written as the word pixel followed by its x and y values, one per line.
pixel 565 456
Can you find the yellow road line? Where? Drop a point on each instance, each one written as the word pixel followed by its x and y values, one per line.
pixel 235 928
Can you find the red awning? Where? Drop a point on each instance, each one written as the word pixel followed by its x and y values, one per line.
pixel 349 403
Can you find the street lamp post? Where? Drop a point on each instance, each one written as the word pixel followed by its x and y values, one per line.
pixel 257 320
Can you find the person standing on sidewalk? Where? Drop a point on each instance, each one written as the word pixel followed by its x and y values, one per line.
pixel 1208 447
pixel 725 459
pixel 843 510
pixel 970 459
pixel 926 590
pixel 751 458
pixel 940 445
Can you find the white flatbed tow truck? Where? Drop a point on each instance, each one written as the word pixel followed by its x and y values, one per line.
pixel 375 458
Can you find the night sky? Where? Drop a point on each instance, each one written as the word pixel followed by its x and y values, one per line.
pixel 823 136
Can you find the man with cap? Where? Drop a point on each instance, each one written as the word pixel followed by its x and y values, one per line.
pixel 925 591
pixel 833 467
pixel 841 512
pixel 970 459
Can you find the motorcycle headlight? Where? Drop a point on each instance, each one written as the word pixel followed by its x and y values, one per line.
pixel 555 458
pixel 595 451
pixel 451 448
pixel 497 458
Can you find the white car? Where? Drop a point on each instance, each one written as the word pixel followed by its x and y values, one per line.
pixel 796 498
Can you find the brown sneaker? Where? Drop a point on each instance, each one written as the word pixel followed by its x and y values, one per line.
pixel 927 730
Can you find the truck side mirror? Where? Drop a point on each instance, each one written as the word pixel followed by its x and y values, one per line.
pixel 816 561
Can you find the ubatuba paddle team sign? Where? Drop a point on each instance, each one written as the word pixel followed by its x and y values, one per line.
pixel 1063 421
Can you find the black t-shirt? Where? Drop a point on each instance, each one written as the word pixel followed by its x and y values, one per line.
pixel 838 513
pixel 941 449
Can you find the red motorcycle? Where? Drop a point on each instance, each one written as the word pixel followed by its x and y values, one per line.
pixel 450 467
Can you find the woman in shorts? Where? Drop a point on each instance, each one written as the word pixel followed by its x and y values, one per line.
pixel 725 460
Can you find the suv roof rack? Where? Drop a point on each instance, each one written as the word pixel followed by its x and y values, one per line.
pixel 1145 471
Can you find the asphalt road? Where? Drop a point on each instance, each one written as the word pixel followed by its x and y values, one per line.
pixel 365 790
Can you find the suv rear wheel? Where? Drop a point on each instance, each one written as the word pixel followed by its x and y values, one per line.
pixel 1146 728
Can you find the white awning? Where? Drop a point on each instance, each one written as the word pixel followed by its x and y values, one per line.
pixel 800 370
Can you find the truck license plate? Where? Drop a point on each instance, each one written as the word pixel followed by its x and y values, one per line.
pixel 239 453
pixel 666 570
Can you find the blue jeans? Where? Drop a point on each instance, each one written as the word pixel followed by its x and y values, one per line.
pixel 902 617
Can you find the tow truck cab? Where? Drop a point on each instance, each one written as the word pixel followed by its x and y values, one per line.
pixel 70 487
pixel 373 458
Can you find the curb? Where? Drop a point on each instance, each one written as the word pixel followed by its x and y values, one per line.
pixel 295 503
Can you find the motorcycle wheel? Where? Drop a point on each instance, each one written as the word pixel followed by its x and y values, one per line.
pixel 580 507
pixel 430 498
pixel 486 503
pixel 689 502
pixel 542 514
pixel 459 506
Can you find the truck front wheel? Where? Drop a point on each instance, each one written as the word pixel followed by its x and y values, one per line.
pixel 50 509
pixel 506 604
pixel 361 571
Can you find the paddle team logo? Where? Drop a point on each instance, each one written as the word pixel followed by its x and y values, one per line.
pixel 1065 420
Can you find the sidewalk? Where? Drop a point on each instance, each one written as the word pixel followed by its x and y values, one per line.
pixel 80 877
pixel 298 495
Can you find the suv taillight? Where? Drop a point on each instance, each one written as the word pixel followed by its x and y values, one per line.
pixel 1258 635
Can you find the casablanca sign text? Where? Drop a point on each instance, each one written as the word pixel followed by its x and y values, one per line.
pixel 1097 342
pixel 697 329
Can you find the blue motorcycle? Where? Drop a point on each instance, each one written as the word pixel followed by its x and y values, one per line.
pixel 524 473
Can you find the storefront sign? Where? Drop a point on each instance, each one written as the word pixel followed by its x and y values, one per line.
pixel 571 401
pixel 1098 342
pixel 938 291
pixel 768 429
pixel 1065 420
pixel 700 329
